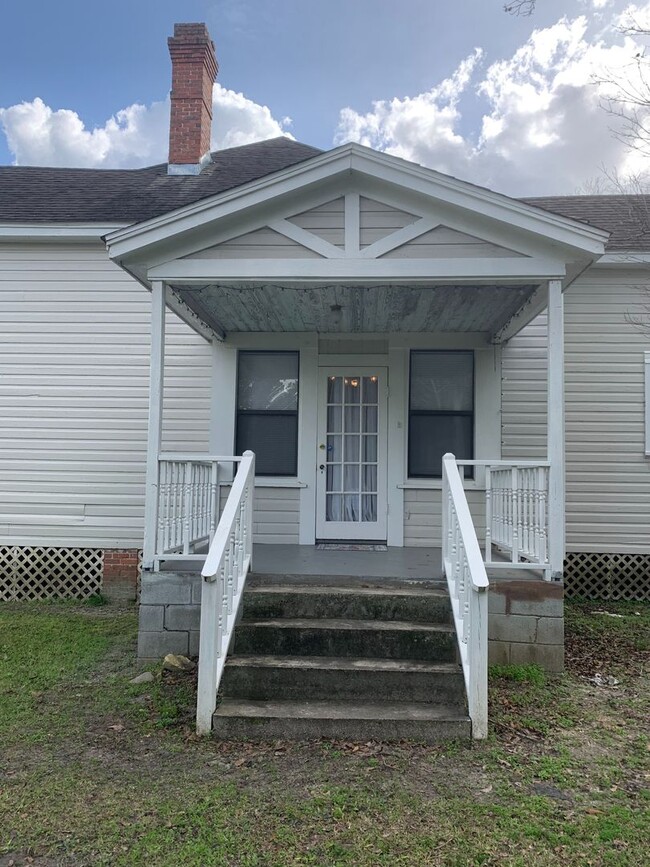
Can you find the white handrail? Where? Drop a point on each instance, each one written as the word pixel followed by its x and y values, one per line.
pixel 224 574
pixel 468 585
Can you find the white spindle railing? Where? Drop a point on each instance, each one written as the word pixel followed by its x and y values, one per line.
pixel 468 585
pixel 189 503
pixel 223 577
pixel 516 513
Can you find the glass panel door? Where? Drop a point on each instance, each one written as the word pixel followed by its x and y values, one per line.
pixel 351 455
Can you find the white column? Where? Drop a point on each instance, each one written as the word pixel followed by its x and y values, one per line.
pixel 555 428
pixel 156 384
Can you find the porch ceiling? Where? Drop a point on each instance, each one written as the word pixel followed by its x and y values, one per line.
pixel 247 307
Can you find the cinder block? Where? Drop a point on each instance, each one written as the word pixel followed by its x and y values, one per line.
pixel 549 656
pixel 155 645
pixel 551 606
pixel 550 630
pixel 496 601
pixel 182 617
pixel 197 585
pixel 498 652
pixel 151 618
pixel 511 627
pixel 194 643
pixel 160 589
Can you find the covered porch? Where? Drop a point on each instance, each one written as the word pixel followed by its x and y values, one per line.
pixel 356 307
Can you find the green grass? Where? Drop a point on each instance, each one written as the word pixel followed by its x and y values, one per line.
pixel 94 770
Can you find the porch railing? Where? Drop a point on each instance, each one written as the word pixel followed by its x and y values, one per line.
pixel 468 585
pixel 223 577
pixel 516 514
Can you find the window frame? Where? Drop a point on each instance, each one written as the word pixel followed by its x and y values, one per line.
pixel 268 413
pixel 469 471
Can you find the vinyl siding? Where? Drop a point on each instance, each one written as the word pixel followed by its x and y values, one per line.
pixel 608 475
pixel 276 514
pixel 326 221
pixel 74 379
pixel 264 243
pixel 423 516
pixel 445 243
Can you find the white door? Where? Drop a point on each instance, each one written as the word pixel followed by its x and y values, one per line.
pixel 351 453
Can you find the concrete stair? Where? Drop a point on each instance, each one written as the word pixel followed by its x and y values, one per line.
pixel 343 658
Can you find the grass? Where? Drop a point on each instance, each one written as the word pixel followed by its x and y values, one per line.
pixel 97 771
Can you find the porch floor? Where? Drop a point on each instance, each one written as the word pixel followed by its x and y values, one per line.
pixel 415 564
pixel 418 564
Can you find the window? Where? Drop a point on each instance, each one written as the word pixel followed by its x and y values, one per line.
pixel 267 411
pixel 441 411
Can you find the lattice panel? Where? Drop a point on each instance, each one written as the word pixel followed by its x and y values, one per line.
pixel 49 573
pixel 608 576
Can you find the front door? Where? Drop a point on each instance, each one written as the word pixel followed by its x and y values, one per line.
pixel 351 454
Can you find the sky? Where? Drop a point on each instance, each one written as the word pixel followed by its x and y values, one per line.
pixel 513 103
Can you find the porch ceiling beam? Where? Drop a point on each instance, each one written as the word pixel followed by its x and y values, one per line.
pixel 396 239
pixel 306 239
pixel 476 270
pixel 204 326
pixel 530 309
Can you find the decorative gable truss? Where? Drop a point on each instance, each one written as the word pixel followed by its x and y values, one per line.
pixel 353 226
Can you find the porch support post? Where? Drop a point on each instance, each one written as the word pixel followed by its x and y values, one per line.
pixel 156 384
pixel 555 428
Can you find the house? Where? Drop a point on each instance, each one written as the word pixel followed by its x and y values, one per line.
pixel 345 359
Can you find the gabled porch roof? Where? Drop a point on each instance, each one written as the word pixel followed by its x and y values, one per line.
pixel 357 241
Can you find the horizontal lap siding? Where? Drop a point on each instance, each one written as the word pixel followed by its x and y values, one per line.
pixel 276 514
pixel 261 244
pixel 74 380
pixel 608 475
pixel 423 516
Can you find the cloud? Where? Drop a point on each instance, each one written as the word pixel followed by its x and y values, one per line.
pixel 135 136
pixel 543 129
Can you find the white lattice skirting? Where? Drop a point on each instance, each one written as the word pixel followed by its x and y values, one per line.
pixel 607 576
pixel 49 573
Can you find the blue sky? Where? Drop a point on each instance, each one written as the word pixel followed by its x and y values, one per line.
pixel 407 71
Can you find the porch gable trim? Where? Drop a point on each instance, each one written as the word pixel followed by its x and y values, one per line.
pixel 366 162
pixel 471 270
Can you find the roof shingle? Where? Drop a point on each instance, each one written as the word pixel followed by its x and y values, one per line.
pixel 51 195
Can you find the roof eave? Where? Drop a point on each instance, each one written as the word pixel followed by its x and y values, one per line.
pixel 351 157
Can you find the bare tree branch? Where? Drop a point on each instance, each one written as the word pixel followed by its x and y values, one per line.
pixel 520 7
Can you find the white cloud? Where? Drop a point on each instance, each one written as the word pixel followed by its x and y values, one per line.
pixel 543 128
pixel 135 136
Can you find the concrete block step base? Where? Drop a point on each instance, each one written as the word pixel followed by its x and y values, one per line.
pixel 317 678
pixel 411 603
pixel 252 720
pixel 347 638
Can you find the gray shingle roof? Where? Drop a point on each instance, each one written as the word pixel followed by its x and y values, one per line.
pixel 626 218
pixel 50 195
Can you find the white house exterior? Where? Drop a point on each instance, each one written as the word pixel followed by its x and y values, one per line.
pixel 350 318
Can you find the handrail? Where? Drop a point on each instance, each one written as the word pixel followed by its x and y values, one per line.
pixel 223 577
pixel 199 457
pixel 489 463
pixel 468 585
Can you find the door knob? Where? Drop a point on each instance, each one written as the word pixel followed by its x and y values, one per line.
pixel 322 467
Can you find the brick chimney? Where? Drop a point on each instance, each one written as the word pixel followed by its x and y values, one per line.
pixel 194 70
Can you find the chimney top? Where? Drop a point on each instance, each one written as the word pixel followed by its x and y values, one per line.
pixel 194 69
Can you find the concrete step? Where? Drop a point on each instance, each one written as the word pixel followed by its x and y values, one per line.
pixel 270 579
pixel 411 603
pixel 346 638
pixel 350 720
pixel 317 678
